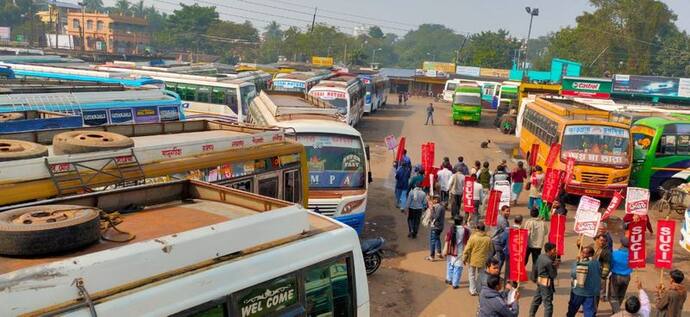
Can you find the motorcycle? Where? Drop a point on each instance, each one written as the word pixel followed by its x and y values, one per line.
pixel 371 250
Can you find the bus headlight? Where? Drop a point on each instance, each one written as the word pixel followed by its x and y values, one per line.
pixel 620 179
pixel 349 207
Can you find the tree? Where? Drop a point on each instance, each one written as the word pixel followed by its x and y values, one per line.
pixel 138 9
pixel 490 49
pixel 376 32
pixel 673 59
pixel 93 5
pixel 185 27
pixel 427 42
pixel 122 7
pixel 272 43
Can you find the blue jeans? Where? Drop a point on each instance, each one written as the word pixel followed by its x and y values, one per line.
pixel 516 190
pixel 576 301
pixel 533 201
pixel 434 242
pixel 453 273
pixel 403 198
pixel 398 192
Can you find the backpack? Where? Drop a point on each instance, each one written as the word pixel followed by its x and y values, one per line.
pixel 484 177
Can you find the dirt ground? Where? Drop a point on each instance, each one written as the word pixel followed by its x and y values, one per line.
pixel 408 285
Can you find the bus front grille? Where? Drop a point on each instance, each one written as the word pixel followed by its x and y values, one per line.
pixel 594 178
pixel 324 209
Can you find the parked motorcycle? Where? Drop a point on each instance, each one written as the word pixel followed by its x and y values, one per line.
pixel 371 250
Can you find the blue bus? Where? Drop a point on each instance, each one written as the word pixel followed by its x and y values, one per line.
pixel 80 74
pixel 377 88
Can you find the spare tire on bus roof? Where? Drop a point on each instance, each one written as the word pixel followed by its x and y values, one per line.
pixel 11 150
pixel 86 141
pixel 11 116
pixel 49 229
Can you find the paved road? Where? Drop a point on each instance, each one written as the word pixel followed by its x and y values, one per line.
pixel 407 285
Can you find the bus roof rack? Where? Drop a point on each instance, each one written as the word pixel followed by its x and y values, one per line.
pixel 570 108
pixel 270 108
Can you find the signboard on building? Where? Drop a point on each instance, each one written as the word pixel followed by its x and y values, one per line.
pixel 651 85
pixel 586 87
pixel 447 68
pixel 5 32
pixel 322 61
pixel 468 71
pixel 494 72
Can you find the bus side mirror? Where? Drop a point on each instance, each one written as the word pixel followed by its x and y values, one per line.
pixel 367 152
pixel 370 177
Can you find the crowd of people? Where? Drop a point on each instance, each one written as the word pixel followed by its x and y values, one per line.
pixel 598 274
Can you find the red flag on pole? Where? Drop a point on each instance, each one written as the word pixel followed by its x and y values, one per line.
pixel 428 150
pixel 554 152
pixel 401 149
pixel 551 184
pixel 613 205
pixel 637 255
pixel 557 232
pixel 569 169
pixel 533 154
pixel 468 195
pixel 492 208
pixel 517 246
pixel 663 255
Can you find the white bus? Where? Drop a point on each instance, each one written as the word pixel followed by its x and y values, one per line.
pixel 376 88
pixel 198 250
pixel 344 92
pixel 337 159
pixel 298 82
pixel 451 84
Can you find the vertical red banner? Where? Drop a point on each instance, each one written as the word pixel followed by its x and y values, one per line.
pixel 468 196
pixel 533 154
pixel 401 149
pixel 551 185
pixel 663 254
pixel 492 208
pixel 613 205
pixel 554 152
pixel 557 232
pixel 569 169
pixel 637 254
pixel 517 246
pixel 428 150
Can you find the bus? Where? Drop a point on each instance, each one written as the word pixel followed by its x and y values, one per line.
pixel 345 93
pixel 451 84
pixel 98 104
pixel 206 97
pixel 197 250
pixel 490 89
pixel 338 159
pixel 252 159
pixel 467 104
pixel 80 74
pixel 298 82
pixel 506 107
pixel 661 156
pixel 377 88
pixel 599 141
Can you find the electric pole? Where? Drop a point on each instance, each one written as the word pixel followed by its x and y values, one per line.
pixel 313 20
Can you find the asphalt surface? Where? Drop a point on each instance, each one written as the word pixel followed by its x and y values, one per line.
pixel 408 285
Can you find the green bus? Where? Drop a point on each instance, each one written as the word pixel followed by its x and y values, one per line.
pixel 506 102
pixel 661 152
pixel 467 104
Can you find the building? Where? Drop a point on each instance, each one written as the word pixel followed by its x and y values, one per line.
pixel 115 34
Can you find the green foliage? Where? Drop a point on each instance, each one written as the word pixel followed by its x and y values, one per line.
pixel 375 32
pixel 428 41
pixel 490 49
pixel 93 5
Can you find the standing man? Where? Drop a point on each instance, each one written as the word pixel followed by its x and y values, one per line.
pixel 475 255
pixel 538 233
pixel 536 186
pixel 457 237
pixel 587 283
pixel 492 302
pixel 544 273
pixel 430 114
pixel 484 177
pixel 620 275
pixel 517 176
pixel 455 189
pixel 406 159
pixel 517 224
pixel 478 197
pixel 438 213
pixel 498 237
pixel 461 166
pixel 402 180
pixel 602 254
pixel 444 176
pixel 416 204
pixel 670 301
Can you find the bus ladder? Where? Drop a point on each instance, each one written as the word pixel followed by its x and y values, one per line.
pixel 42 102
pixel 121 171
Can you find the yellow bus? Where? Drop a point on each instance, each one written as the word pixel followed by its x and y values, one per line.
pixel 258 160
pixel 598 140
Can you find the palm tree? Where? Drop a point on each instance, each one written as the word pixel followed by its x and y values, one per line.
pixel 93 5
pixel 122 7
pixel 138 9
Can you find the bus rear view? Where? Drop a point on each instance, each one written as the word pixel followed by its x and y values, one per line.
pixel 467 104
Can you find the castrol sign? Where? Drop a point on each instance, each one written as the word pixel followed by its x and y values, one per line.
pixel 637 201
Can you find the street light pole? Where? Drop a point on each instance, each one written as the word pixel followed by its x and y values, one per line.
pixel 532 13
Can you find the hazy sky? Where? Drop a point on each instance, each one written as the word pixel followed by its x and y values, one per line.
pixel 397 16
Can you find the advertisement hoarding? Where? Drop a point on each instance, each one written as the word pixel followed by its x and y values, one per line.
pixel 448 68
pixel 5 32
pixel 322 61
pixel 651 85
pixel 468 71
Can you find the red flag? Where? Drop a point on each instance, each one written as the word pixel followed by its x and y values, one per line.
pixel 569 169
pixel 637 255
pixel 517 248
pixel 492 208
pixel 557 232
pixel 533 154
pixel 428 150
pixel 613 205
pixel 468 195
pixel 551 185
pixel 401 149
pixel 663 255
pixel 554 152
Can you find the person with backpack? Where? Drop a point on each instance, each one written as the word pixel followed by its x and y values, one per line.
pixel 455 241
pixel 435 224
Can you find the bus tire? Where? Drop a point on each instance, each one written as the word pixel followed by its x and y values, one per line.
pixel 11 150
pixel 50 229
pixel 12 116
pixel 74 142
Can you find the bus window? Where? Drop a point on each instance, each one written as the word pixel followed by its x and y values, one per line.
pixel 683 144
pixel 187 92
pixel 668 145
pixel 203 94
pixel 218 96
pixel 292 185
pixel 216 308
pixel 231 100
pixel 268 185
pixel 328 290
pixel 246 185
pixel 247 94
pixel 272 298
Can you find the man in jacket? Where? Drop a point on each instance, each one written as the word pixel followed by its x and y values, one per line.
pixel 476 252
pixel 455 189
pixel 436 227
pixel 402 180
pixel 620 275
pixel 492 303
pixel 670 301
pixel 498 237
pixel 416 204
pixel 544 273
pixel 586 274
pixel 461 166
pixel 538 233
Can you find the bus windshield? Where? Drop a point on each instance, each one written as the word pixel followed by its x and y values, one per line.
pixel 335 161
pixel 642 141
pixel 509 95
pixel 470 100
pixel 247 93
pixel 596 144
pixel 451 86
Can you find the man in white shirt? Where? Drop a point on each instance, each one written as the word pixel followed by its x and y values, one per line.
pixel 444 176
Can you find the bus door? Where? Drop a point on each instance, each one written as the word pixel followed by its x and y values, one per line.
pixel 268 184
pixel 643 152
